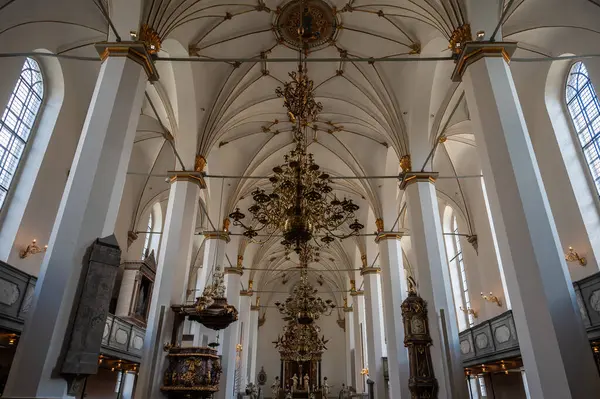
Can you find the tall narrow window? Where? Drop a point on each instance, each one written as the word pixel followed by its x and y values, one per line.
pixel 458 275
pixel 17 122
pixel 463 274
pixel 146 251
pixel 584 108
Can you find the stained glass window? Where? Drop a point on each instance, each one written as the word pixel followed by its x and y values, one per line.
pixel 584 109
pixel 18 121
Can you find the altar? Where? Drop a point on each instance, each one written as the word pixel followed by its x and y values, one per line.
pixel 310 370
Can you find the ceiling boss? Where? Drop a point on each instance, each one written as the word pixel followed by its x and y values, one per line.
pixel 300 203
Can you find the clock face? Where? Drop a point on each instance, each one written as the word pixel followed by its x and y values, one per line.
pixel 417 326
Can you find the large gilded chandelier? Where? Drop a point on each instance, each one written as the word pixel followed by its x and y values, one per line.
pixel 301 343
pixel 303 305
pixel 300 202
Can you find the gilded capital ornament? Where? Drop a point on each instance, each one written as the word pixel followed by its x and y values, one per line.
pixel 150 38
pixel 200 163
pixel 379 224
pixel 405 163
pixel 459 38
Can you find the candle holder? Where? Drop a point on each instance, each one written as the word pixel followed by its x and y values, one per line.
pixel 491 298
pixel 573 256
pixel 32 249
pixel 469 311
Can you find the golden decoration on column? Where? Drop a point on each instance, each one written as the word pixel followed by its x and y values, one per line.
pixel 150 38
pixel 200 163
pixel 405 163
pixel 379 224
pixel 459 38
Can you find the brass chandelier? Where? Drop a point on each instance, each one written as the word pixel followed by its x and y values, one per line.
pixel 301 343
pixel 300 202
pixel 303 305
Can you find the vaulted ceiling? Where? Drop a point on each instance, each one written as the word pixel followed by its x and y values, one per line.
pixel 228 112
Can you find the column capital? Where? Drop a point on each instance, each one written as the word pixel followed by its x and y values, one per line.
pixel 474 51
pixel 246 293
pixel 388 235
pixel 369 270
pixel 234 270
pixel 217 235
pixel 255 308
pixel 414 177
pixel 357 293
pixel 187 176
pixel 135 51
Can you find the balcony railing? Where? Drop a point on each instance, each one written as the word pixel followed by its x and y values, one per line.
pixel 494 339
pixel 121 338
pixel 587 292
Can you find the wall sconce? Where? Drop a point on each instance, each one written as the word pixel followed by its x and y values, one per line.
pixel 573 256
pixel 469 311
pixel 32 249
pixel 491 298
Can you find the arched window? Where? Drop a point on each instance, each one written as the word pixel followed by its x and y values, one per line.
pixel 584 108
pixel 458 275
pixel 17 122
pixel 147 240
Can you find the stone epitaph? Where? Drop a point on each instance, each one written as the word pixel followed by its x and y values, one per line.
pixel 83 345
pixel 422 382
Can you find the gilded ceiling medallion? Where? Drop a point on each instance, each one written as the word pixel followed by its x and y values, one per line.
pixel 323 24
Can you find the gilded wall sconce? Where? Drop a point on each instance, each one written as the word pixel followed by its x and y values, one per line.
pixel 469 311
pixel 491 298
pixel 573 256
pixel 32 249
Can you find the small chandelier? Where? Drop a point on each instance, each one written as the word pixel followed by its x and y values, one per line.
pixel 301 343
pixel 303 305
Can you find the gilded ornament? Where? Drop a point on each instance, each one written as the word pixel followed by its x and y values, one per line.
pixel 150 38
pixel 405 163
pixel 379 224
pixel 200 163
pixel 459 38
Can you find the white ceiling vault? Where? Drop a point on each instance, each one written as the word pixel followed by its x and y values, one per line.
pixel 229 113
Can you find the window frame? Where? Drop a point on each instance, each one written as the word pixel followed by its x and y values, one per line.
pixel 575 134
pixel 146 249
pixel 32 134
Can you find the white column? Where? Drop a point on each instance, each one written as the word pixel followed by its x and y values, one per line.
pixel 357 308
pixel 373 324
pixel 254 314
pixel 233 276
pixel 88 210
pixel 394 292
pixel 170 284
pixel 350 342
pixel 434 286
pixel 245 316
pixel 554 346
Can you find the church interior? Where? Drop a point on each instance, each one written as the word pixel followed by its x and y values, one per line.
pixel 282 199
